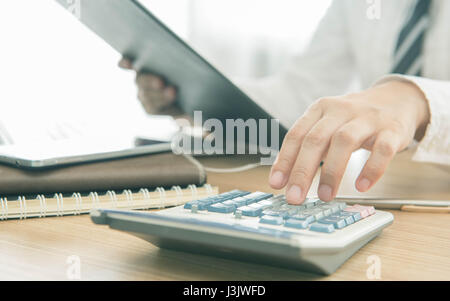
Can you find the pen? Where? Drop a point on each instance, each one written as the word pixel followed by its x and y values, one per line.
pixel 410 205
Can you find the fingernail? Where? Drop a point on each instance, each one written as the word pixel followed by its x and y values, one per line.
pixel 325 193
pixel 364 184
pixel 125 64
pixel 277 179
pixel 294 194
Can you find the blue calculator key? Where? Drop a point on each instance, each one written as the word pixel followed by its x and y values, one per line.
pixel 317 213
pixel 349 220
pixel 277 212
pixel 220 208
pixel 318 227
pixel 296 223
pixel 257 206
pixel 264 196
pixel 292 208
pixel 303 217
pixel 341 205
pixel 203 204
pixel 334 208
pixel 326 211
pixel 338 223
pixel 249 211
pixel 188 205
pixel 224 198
pixel 356 215
pixel 230 203
pixel 271 220
pixel 256 197
pixel 266 204
pixel 239 201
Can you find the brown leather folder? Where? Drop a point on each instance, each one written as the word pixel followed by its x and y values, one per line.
pixel 149 171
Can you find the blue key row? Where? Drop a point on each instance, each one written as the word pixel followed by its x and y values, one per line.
pixel 249 205
pixel 326 224
pixel 203 204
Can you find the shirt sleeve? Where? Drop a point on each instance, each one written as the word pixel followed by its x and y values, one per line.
pixel 308 76
pixel 435 145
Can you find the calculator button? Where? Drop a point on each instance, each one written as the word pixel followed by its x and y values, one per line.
pixel 303 217
pixel 333 207
pixel 326 211
pixel 249 211
pixel 252 197
pixel 296 223
pixel 230 203
pixel 349 220
pixel 317 213
pixel 318 227
pixel 239 201
pixel 188 205
pixel 271 220
pixel 273 212
pixel 292 209
pixel 256 206
pixel 267 204
pixel 338 223
pixel 220 208
pixel 356 215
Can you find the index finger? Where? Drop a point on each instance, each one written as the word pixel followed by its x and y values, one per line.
pixel 291 145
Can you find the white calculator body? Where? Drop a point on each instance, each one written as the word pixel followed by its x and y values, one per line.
pixel 258 227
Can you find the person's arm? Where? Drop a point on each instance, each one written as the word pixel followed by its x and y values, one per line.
pixel 434 140
pixel 326 67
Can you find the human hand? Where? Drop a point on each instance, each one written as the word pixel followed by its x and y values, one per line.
pixel 383 119
pixel 155 96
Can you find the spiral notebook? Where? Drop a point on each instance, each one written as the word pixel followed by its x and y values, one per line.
pixel 144 182
pixel 58 205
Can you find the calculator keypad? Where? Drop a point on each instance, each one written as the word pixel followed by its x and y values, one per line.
pixel 313 215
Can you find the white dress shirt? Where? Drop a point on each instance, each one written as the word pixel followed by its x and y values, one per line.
pixel 350 47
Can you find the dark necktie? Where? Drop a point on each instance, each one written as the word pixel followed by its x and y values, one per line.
pixel 408 58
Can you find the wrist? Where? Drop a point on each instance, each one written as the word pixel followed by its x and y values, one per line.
pixel 413 94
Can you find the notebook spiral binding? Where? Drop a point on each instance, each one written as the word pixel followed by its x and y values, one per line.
pixel 77 204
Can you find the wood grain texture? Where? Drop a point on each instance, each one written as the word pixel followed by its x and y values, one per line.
pixel 415 247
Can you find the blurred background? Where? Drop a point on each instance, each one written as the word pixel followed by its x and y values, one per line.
pixel 52 66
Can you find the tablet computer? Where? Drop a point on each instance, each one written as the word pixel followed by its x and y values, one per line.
pixel 136 33
pixel 62 141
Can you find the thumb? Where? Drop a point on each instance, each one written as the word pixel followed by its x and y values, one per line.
pixel 125 63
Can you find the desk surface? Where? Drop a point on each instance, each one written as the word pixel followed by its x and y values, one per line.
pixel 415 247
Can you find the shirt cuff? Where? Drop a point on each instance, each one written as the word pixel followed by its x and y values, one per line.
pixel 435 145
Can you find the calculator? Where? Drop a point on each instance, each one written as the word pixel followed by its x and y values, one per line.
pixel 315 236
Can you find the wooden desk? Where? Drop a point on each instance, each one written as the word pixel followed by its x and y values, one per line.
pixel 415 247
